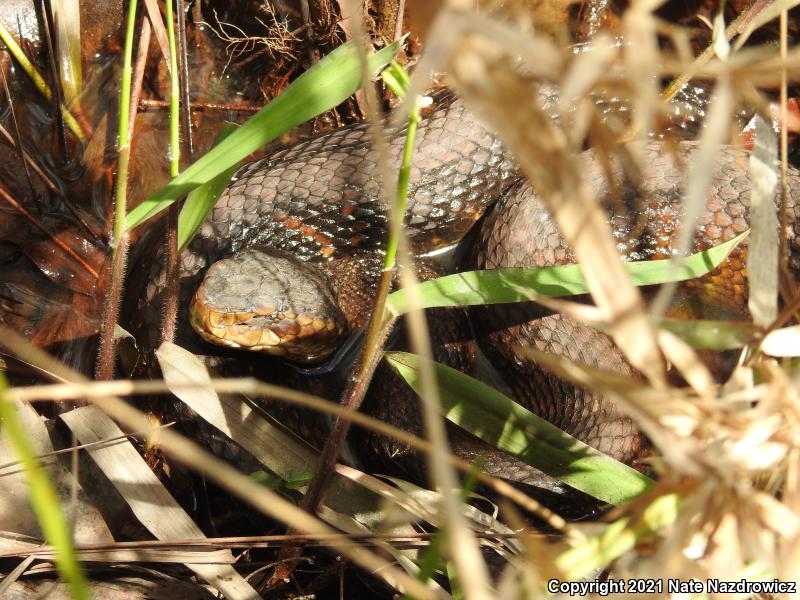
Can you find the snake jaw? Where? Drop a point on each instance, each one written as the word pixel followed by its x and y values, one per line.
pixel 268 334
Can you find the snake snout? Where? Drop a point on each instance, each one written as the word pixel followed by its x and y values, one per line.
pixel 263 300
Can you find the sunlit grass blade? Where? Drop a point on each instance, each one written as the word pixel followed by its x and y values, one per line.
pixel 123 143
pixel 38 80
pixel 201 200
pixel 323 86
pixel 708 334
pixel 618 538
pixel 510 285
pixel 44 499
pixel 174 94
pixel 500 421
pixel 68 36
pixel 712 335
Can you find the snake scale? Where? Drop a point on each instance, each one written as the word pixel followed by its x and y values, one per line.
pixel 319 201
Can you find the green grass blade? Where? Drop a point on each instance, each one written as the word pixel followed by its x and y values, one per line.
pixel 500 421
pixel 67 17
pixel 174 95
pixel 44 499
pixel 323 86
pixel 37 79
pixel 510 285
pixel 452 577
pixel 202 199
pixel 712 335
pixel 619 537
pixel 707 334
pixel 123 143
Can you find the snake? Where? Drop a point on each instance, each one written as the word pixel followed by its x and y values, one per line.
pixel 288 259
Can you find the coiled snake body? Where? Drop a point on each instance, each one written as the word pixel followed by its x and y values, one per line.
pixel 319 202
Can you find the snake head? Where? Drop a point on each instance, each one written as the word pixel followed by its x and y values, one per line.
pixel 268 301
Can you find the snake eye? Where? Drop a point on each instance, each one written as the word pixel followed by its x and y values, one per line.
pixel 10 254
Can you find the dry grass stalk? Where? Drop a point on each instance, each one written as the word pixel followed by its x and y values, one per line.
pixel 195 457
pixel 730 451
pixel 149 500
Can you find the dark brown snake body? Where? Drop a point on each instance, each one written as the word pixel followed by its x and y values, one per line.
pixel 320 201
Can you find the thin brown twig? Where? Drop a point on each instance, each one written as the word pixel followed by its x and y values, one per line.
pixel 347 29
pixel 145 35
pixel 369 356
pixel 169 320
pixel 372 348
pixel 54 239
pixel 157 23
pixel 17 136
pixel 357 384
pixel 50 184
pixel 154 103
pixel 399 540
pixel 76 447
pixel 462 547
pixel 197 14
pixel 313 52
pixel 788 311
pixel 58 90
pixel 398 26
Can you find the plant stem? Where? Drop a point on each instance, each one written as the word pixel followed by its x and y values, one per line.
pixel 371 353
pixel 119 244
pixel 174 96
pixel 377 331
pixel 107 352
pixel 171 302
pixel 123 145
pixel 401 196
